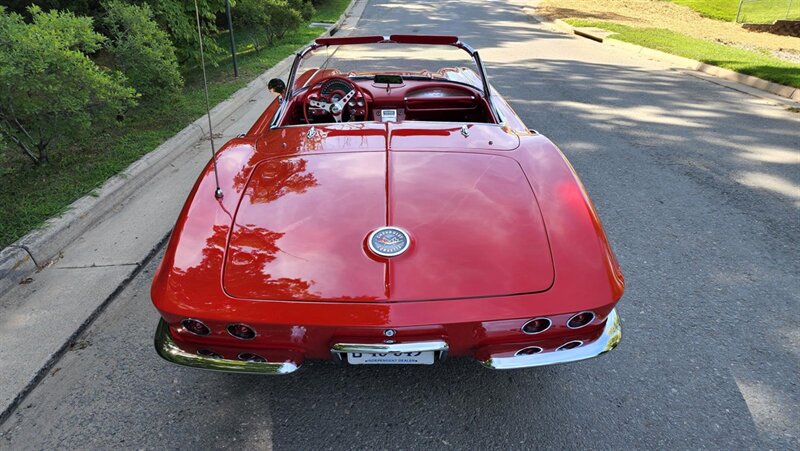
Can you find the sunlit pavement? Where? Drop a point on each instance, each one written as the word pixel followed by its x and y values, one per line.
pixel 699 189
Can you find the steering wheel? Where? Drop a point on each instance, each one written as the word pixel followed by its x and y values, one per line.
pixel 335 96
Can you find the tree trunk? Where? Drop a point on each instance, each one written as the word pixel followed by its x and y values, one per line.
pixel 43 156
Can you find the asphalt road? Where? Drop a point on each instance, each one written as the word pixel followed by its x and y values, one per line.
pixel 699 189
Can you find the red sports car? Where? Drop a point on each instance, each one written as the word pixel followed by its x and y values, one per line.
pixel 389 208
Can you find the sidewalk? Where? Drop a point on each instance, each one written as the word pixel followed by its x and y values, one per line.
pixel 42 318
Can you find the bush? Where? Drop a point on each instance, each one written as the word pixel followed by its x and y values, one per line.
pixel 49 88
pixel 141 50
pixel 282 19
pixel 304 7
pixel 270 18
pixel 252 16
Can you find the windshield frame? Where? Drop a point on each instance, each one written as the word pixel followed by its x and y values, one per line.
pixel 437 40
pixel 392 39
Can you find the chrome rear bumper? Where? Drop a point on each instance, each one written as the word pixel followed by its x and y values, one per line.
pixel 609 339
pixel 169 350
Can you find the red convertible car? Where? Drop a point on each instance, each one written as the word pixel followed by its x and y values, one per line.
pixel 384 215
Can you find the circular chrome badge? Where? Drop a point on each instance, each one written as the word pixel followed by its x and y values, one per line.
pixel 388 241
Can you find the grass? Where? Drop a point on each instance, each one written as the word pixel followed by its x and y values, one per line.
pixel 747 62
pixel 29 195
pixel 330 11
pixel 760 11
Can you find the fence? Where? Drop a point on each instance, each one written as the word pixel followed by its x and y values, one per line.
pixel 767 11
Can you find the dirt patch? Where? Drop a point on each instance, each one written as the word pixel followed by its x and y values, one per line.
pixel 663 14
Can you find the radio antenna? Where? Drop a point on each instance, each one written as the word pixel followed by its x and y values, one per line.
pixel 218 191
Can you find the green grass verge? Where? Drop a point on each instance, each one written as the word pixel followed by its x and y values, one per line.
pixel 762 11
pixel 715 9
pixel 29 195
pixel 747 62
pixel 330 11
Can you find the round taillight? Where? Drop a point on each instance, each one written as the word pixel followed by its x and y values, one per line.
pixel 242 331
pixel 209 354
pixel 570 345
pixel 196 327
pixel 250 357
pixel 580 319
pixel 536 326
pixel 530 350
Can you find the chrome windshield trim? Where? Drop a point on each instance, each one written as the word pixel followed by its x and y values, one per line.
pixel 291 91
pixel 609 339
pixel 169 350
pixel 419 346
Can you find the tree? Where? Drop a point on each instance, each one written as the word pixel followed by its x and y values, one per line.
pixel 270 18
pixel 141 49
pixel 49 88
pixel 178 18
pixel 252 16
pixel 79 7
pixel 282 19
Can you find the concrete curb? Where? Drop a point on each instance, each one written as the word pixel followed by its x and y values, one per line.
pixel 606 37
pixel 338 24
pixel 38 248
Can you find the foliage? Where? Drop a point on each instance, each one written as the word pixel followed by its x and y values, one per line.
pixel 79 7
pixel 304 7
pixel 142 50
pixel 271 19
pixel 178 18
pixel 49 88
pixel 253 17
pixel 71 175
pixel 747 62
pixel 282 19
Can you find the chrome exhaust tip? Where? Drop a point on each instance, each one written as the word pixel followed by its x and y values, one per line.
pixel 536 325
pixel 570 345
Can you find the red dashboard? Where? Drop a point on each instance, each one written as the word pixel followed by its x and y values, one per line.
pixel 412 99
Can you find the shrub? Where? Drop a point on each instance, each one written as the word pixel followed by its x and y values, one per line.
pixel 305 7
pixel 282 19
pixel 252 16
pixel 270 18
pixel 49 88
pixel 142 50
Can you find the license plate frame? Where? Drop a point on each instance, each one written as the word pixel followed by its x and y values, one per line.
pixel 391 358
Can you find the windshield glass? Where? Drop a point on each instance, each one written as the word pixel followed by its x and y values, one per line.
pixel 439 62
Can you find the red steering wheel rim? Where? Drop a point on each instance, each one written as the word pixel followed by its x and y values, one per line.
pixel 318 84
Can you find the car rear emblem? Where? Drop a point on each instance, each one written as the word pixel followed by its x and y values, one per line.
pixel 388 241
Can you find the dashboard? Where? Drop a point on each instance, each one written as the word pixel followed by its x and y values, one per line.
pixel 411 99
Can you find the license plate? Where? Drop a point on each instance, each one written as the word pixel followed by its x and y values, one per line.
pixel 390 358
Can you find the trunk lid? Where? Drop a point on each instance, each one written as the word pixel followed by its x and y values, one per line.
pixel 301 228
